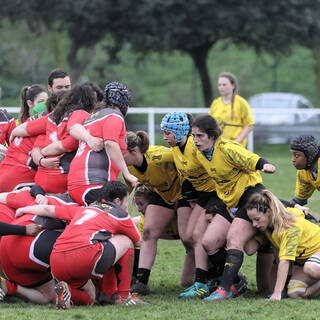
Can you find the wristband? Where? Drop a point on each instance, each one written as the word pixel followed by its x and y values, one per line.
pixel 43 157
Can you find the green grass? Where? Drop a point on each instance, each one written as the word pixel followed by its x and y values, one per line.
pixel 165 279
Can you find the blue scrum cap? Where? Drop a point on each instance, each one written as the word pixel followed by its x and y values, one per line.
pixel 176 122
pixel 118 95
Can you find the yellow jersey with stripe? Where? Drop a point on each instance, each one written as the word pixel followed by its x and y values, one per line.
pixel 232 125
pixel 190 168
pixel 161 175
pixel 299 242
pixel 306 184
pixel 233 169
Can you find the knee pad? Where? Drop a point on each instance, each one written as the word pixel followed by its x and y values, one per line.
pixel 295 286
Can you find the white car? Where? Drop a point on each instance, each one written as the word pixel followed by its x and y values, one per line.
pixel 277 117
pixel 279 107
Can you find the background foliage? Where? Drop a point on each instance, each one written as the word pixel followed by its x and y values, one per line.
pixel 168 51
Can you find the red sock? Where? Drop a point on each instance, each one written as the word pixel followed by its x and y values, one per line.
pixel 80 297
pixel 12 288
pixel 98 284
pixel 109 282
pixel 125 273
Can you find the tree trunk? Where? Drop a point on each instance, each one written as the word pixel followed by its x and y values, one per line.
pixel 78 64
pixel 316 59
pixel 199 57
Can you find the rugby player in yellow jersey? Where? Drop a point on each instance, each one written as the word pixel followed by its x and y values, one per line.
pixel 297 240
pixel 305 158
pixel 192 224
pixel 231 111
pixel 142 198
pixel 235 172
pixel 155 168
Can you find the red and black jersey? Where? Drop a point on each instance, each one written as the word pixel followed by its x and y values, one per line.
pixel 93 224
pixel 94 168
pixel 7 124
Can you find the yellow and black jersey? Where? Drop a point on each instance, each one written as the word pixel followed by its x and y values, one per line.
pixel 299 242
pixel 233 168
pixel 190 168
pixel 306 184
pixel 232 125
pixel 161 174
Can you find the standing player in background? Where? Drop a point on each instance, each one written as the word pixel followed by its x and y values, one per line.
pixel 232 112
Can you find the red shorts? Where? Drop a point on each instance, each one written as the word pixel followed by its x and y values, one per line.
pixel 85 258
pixel 87 194
pixel 13 177
pixel 19 263
pixel 56 183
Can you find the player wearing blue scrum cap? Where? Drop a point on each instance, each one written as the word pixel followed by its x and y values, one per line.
pixel 192 223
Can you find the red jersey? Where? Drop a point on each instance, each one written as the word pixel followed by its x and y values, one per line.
pixel 93 224
pixel 96 168
pixel 24 198
pixel 19 152
pixel 58 132
pixel 7 124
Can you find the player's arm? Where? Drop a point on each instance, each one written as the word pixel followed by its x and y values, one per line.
pixel 282 274
pixel 20 131
pixel 13 229
pixel 244 133
pixel 43 210
pixel 113 149
pixel 79 132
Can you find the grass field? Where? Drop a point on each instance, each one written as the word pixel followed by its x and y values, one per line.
pixel 164 280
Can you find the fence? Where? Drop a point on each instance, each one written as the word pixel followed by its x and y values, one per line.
pixel 267 133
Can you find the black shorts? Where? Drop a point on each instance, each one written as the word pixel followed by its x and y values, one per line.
pixel 242 210
pixel 106 260
pixel 215 206
pixel 156 199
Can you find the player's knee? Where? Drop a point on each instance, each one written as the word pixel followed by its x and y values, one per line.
pixel 151 234
pixel 312 267
pixel 234 242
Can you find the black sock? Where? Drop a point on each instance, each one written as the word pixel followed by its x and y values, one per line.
pixel 143 275
pixel 218 260
pixel 232 266
pixel 201 275
pixel 136 262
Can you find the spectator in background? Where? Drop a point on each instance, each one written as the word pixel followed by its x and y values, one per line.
pixel 231 111
pixel 58 80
